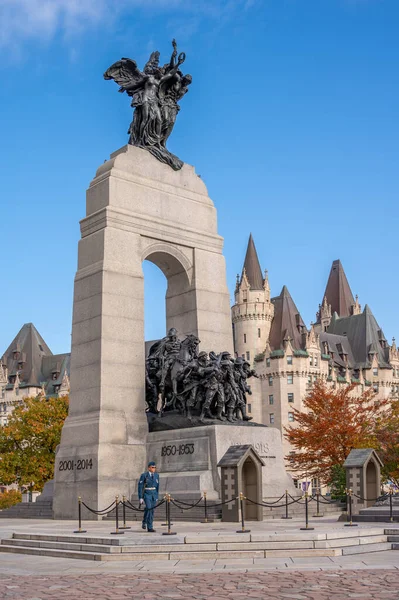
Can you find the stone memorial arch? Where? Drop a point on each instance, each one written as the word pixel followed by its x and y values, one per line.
pixel 137 208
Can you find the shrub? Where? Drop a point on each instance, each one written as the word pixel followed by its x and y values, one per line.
pixel 9 498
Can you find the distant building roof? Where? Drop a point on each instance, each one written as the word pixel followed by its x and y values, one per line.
pixel 25 354
pixel 338 292
pixel 252 267
pixel 365 337
pixel 29 358
pixel 287 322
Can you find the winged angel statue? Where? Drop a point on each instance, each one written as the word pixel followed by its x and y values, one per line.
pixel 155 95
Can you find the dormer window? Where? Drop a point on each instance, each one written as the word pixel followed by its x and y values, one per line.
pixel 15 354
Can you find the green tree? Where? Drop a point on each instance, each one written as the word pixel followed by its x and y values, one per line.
pixel 29 440
pixel 387 433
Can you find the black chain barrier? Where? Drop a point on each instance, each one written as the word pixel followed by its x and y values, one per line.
pixel 184 506
pixel 371 499
pixel 189 506
pixel 98 512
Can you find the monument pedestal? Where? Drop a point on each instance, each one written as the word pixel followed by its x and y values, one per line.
pixel 137 209
pixel 187 459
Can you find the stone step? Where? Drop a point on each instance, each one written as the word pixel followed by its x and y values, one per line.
pixel 363 548
pixel 202 547
pixel 168 555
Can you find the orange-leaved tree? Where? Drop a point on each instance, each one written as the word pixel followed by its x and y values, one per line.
pixel 29 440
pixel 332 423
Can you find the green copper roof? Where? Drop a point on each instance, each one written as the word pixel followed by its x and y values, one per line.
pixel 277 354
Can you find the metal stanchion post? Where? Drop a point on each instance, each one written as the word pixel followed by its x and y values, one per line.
pixel 124 514
pixel 286 506
pixel 205 509
pixel 390 505
pixel 80 530
pixel 169 532
pixel 117 530
pixel 318 513
pixel 306 528
pixel 241 500
pixel 350 524
pixel 166 512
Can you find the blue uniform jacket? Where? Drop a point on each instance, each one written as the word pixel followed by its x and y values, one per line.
pixel 146 481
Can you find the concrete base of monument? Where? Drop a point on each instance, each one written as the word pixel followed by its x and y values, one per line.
pixel 187 458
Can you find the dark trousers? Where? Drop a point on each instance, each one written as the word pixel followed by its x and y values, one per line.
pixel 150 500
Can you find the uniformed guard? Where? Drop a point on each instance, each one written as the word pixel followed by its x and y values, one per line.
pixel 148 495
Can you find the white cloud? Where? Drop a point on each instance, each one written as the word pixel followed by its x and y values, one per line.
pixel 42 20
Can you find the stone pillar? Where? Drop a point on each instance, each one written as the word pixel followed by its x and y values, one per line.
pixel 137 208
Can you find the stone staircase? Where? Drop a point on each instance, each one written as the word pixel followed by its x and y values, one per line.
pixel 380 512
pixel 134 546
pixel 393 536
pixel 29 510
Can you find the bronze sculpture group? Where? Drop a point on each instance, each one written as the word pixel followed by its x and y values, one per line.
pixel 155 95
pixel 197 386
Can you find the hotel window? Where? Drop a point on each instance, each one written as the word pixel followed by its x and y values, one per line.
pixel 316 360
pixel 248 356
pixel 270 380
pixel 291 417
pixel 268 362
pixel 289 359
pixel 290 378
pixel 311 360
pixel 245 338
pixel 290 397
pixel 375 371
pixel 258 332
pixel 249 408
pixel 271 418
pixel 375 387
pixel 314 377
pixel 271 399
pixel 309 379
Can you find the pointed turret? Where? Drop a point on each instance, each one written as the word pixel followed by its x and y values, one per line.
pixel 252 312
pixel 287 322
pixel 251 266
pixel 338 293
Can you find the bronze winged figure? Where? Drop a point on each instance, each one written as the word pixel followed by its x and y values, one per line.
pixel 155 94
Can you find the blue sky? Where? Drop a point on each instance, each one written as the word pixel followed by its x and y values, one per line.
pixel 291 120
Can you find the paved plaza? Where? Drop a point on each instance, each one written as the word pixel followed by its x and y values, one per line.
pixel 372 575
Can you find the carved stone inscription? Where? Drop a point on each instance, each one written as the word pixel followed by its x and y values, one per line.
pixel 75 468
pixel 180 454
